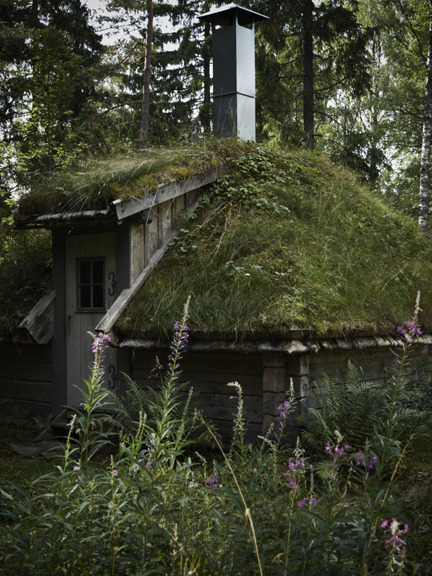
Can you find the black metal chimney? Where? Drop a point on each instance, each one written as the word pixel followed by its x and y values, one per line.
pixel 233 70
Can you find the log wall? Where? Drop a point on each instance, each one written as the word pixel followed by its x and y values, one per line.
pixel 26 377
pixel 209 374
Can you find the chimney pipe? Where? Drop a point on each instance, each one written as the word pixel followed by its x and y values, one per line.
pixel 233 70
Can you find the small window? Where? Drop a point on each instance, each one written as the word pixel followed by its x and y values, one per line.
pixel 91 284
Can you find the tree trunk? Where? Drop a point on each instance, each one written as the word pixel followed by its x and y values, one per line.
pixel 426 140
pixel 206 110
pixel 147 73
pixel 308 76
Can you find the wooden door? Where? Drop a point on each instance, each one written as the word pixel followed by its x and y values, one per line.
pixel 90 291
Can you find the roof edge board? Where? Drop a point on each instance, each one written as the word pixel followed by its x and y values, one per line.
pixel 113 314
pixel 292 347
pixel 126 208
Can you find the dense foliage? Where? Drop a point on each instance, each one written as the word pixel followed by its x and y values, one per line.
pixel 25 273
pixel 156 506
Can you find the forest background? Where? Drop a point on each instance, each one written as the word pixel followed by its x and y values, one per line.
pixel 347 78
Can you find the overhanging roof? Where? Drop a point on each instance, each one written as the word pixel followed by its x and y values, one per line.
pixel 119 210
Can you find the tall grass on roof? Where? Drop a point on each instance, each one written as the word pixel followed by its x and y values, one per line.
pixel 100 182
pixel 287 241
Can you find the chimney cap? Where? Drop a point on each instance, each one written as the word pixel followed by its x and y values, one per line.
pixel 223 16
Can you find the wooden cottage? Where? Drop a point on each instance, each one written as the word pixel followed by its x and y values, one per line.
pixel 292 267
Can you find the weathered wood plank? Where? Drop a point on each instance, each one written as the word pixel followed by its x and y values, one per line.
pixel 25 390
pixel 39 322
pixel 151 234
pixel 164 193
pixel 126 295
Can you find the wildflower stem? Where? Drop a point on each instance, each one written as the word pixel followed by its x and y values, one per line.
pixel 248 514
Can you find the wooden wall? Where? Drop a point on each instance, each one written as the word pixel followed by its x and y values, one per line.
pixel 165 217
pixel 209 374
pixel 372 361
pixel 26 377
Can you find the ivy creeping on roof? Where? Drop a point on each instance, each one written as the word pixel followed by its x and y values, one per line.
pixel 287 241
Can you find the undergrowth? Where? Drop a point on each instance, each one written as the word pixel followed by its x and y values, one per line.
pixel 158 507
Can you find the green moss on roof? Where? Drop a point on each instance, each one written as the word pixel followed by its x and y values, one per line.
pixel 95 185
pixel 286 241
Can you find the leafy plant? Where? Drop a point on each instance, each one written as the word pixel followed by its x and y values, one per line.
pixel 154 507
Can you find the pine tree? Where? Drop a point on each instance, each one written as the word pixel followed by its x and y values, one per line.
pixel 47 51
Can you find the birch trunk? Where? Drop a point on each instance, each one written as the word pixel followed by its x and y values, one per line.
pixel 308 76
pixel 426 140
pixel 147 74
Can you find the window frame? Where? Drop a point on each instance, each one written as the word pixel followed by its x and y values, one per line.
pixel 91 284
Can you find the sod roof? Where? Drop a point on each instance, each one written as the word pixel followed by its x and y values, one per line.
pixel 287 242
pixel 98 183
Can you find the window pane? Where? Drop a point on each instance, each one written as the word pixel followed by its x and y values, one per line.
pixel 84 271
pixel 98 272
pixel 98 300
pixel 84 297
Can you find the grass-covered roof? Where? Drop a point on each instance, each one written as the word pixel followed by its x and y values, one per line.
pixel 287 241
pixel 98 183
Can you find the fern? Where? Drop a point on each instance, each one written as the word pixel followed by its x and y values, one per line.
pixel 360 411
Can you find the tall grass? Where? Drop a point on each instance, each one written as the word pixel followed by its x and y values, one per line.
pixel 154 506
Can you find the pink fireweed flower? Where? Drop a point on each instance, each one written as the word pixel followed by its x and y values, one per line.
pixel 395 544
pixel 311 501
pixel 101 341
pixel 212 482
pixel 148 458
pixel 115 473
pixel 410 330
pixel 342 450
pixel 178 342
pixel 363 462
pixel 285 409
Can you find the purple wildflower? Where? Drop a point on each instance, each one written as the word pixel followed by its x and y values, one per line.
pixel 212 482
pixel 342 450
pixel 410 331
pixel 115 473
pixel 101 341
pixel 372 462
pixel 285 409
pixel 395 544
pixel 312 502
pixel 76 468
pixel 148 458
pixel 178 343
pixel 363 462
